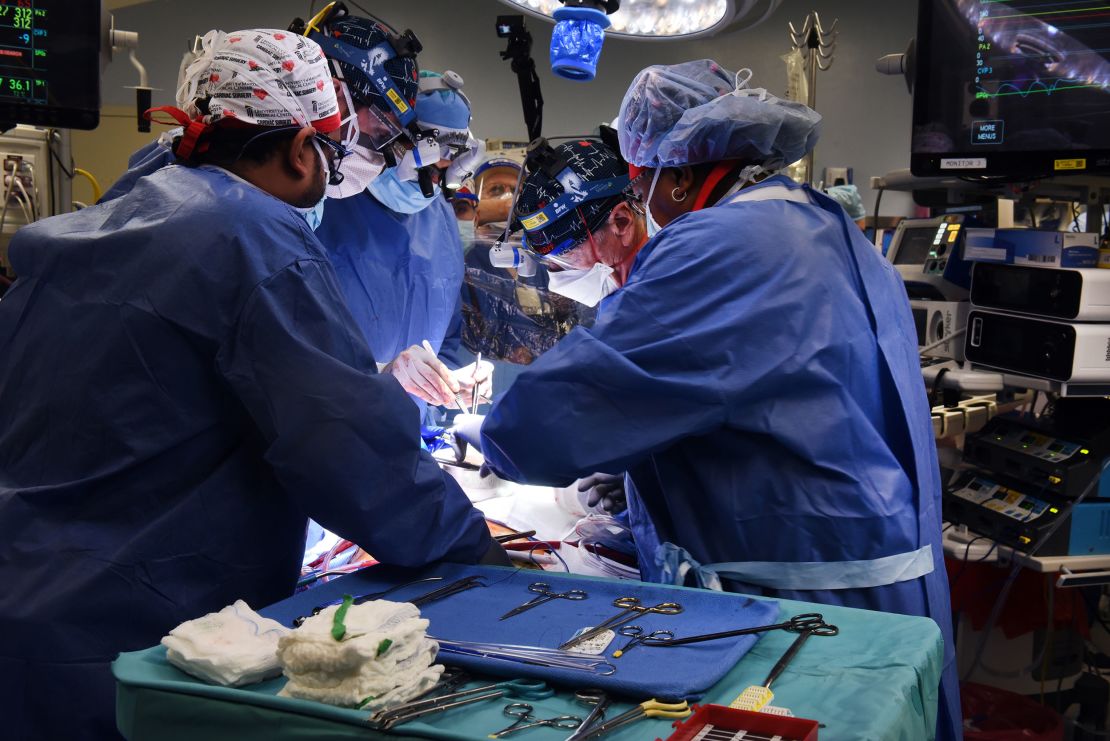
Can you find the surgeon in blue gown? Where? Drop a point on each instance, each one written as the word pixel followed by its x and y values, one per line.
pixel 756 375
pixel 399 257
pixel 182 387
pixel 400 272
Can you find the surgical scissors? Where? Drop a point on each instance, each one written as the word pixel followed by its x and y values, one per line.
pixel 545 595
pixel 630 606
pixel 599 701
pixel 796 624
pixel 638 636
pixel 522 711
pixel 649 709
pixel 525 689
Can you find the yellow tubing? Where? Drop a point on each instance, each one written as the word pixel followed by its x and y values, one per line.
pixel 97 190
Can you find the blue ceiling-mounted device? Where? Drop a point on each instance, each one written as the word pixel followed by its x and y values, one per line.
pixel 578 37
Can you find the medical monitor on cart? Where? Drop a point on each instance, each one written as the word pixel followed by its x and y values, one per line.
pixel 1011 88
pixel 50 63
pixel 928 254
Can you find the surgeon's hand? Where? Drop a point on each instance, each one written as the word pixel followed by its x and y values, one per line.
pixel 475 379
pixel 468 428
pixel 606 490
pixel 423 375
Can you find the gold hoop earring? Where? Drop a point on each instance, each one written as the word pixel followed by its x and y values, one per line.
pixel 675 198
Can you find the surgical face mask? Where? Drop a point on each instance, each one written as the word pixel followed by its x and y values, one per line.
pixel 640 212
pixel 314 215
pixel 466 233
pixel 349 125
pixel 360 168
pixel 400 196
pixel 584 286
pixel 652 225
pixel 749 175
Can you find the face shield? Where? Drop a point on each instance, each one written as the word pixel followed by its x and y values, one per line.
pixel 380 132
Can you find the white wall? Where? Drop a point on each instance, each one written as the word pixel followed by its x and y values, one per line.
pixel 867 115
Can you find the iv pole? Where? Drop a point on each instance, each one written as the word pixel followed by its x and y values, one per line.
pixel 819 45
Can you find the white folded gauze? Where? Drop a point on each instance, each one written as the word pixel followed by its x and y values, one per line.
pixel 311 647
pixel 383 659
pixel 233 647
pixel 400 695
pixel 407 658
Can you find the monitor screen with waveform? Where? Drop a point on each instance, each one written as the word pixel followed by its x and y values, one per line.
pixel 1012 88
pixel 50 62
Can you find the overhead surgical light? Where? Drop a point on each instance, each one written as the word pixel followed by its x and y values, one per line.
pixel 660 20
pixel 578 36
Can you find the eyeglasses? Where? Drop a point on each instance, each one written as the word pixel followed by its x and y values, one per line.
pixel 497 190
pixel 334 152
pixel 338 151
pixel 464 208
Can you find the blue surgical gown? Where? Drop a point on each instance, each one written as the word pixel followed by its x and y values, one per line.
pixel 401 273
pixel 182 387
pixel 758 378
pixel 145 160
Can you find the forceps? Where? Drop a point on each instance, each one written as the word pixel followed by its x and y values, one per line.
pixel 638 636
pixel 362 598
pixel 796 646
pixel 522 711
pixel 631 608
pixel 451 679
pixel 755 698
pixel 796 624
pixel 545 595
pixel 600 702
pixel 528 689
pixel 475 395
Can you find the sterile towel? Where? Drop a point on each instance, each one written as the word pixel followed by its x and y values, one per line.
pixel 233 647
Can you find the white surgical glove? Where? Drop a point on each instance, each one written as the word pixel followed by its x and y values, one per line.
pixel 423 375
pixel 475 379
